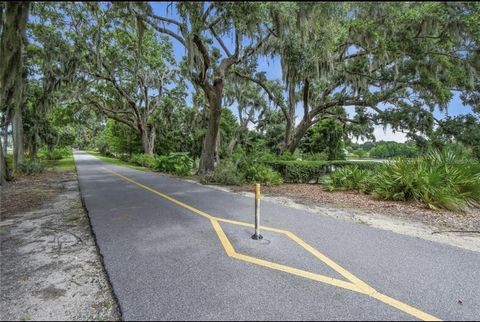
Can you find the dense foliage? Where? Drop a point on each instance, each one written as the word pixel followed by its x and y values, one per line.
pixel 312 171
pixel 245 92
pixel 386 150
pixel 230 174
pixel 29 167
pixel 349 178
pixel 438 179
pixel 57 153
pixel 176 163
pixel 327 136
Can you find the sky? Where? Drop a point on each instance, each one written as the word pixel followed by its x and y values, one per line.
pixel 273 70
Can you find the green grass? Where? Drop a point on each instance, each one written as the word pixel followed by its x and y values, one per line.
pixel 117 161
pixel 62 165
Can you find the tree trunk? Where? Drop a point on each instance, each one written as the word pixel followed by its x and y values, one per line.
pixel 291 114
pixel 153 136
pixel 300 132
pixel 5 137
pixel 34 147
pixel 148 140
pixel 17 128
pixel 210 148
pixel 12 71
pixel 232 144
pixel 4 175
pixel 217 148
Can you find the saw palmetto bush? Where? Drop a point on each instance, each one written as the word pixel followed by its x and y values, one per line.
pixel 349 178
pixel 226 173
pixel 143 160
pixel 261 173
pixel 438 179
pixel 178 163
pixel 29 167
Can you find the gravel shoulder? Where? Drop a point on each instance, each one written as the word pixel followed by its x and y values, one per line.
pixel 50 268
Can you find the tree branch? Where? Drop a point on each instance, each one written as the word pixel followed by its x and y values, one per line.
pixel 231 59
pixel 213 23
pixel 253 49
pixel 165 19
pixel 167 32
pixel 270 95
pixel 203 50
pixel 306 88
pixel 206 13
pixel 111 114
pixel 220 41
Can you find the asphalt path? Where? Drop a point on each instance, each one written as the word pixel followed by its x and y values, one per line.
pixel 177 250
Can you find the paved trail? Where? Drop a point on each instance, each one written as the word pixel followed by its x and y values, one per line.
pixel 176 250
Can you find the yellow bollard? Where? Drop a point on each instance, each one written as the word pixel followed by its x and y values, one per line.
pixel 257 235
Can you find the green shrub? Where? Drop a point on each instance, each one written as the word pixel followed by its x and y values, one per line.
pixel 243 170
pixel 307 171
pixel 360 153
pixel 262 174
pixel 29 167
pixel 176 163
pixel 349 178
pixel 439 179
pixel 366 165
pixel 143 160
pixel 55 153
pixel 125 157
pixel 226 173
pixel 299 171
pixel 322 156
pixel 384 150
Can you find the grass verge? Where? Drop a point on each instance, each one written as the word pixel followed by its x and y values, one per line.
pixel 62 165
pixel 117 161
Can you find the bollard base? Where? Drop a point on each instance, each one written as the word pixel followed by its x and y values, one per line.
pixel 257 237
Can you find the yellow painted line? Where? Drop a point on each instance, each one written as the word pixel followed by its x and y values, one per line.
pixel 299 272
pixel 317 277
pixel 404 307
pixel 241 223
pixel 223 238
pixel 195 210
pixel 339 269
pixel 355 284
pixel 342 271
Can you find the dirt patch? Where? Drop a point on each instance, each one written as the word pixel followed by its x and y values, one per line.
pixel 29 192
pixel 458 229
pixel 50 269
